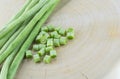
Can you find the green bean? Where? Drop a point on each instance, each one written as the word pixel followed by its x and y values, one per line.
pixel 70 33
pixel 38 38
pixel 15 64
pixel 62 31
pixel 36 47
pixel 41 52
pixel 9 59
pixel 50 42
pixel 13 37
pixel 6 64
pixel 17 15
pixel 42 37
pixel 28 54
pixel 63 40
pixel 36 58
pixel 23 17
pixel 41 46
pixel 48 49
pixel 47 59
pixel 50 28
pixel 55 34
pixel 44 29
pixel 57 29
pixel 25 32
pixel 70 30
pixel 3 40
pixel 56 42
pixel 53 53
pixel 52 34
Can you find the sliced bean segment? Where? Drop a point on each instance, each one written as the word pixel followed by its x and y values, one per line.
pixel 47 59
pixel 53 53
pixel 29 54
pixel 36 58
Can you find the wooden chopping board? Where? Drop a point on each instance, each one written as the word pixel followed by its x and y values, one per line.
pixel 95 48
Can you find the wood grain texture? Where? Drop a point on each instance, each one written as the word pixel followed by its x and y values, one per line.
pixel 94 50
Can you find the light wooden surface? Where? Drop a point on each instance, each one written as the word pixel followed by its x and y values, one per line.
pixel 95 49
pixel 114 72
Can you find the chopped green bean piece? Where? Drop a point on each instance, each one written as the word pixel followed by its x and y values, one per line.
pixel 42 37
pixel 41 52
pixel 43 40
pixel 70 35
pixel 44 29
pixel 28 54
pixel 36 58
pixel 62 31
pixel 70 30
pixel 53 53
pixel 38 38
pixel 50 28
pixel 52 34
pixel 50 42
pixel 57 28
pixel 47 59
pixel 42 33
pixel 48 49
pixel 63 40
pixel 41 46
pixel 56 42
pixel 36 47
pixel 55 34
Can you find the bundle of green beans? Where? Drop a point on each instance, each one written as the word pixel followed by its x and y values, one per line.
pixel 19 33
pixel 47 40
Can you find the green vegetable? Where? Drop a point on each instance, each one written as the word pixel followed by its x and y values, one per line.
pixel 70 33
pixel 54 34
pixel 50 28
pixel 15 64
pixel 56 42
pixel 53 53
pixel 6 65
pixel 35 47
pixel 23 17
pixel 44 29
pixel 25 32
pixel 9 59
pixel 70 30
pixel 62 31
pixel 17 15
pixel 48 49
pixel 57 29
pixel 36 58
pixel 38 38
pixel 41 52
pixel 50 42
pixel 41 46
pixel 42 37
pixel 70 36
pixel 47 59
pixel 13 37
pixel 3 41
pixel 63 40
pixel 29 54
